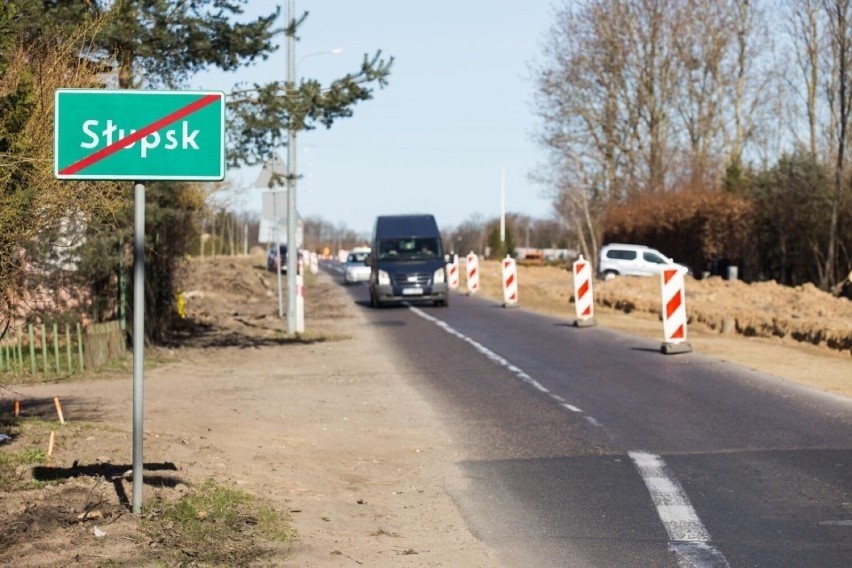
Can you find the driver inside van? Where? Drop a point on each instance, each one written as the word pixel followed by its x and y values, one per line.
pixel 387 248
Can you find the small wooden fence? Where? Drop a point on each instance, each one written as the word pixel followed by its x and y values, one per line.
pixel 60 349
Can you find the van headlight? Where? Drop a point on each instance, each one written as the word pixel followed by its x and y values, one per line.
pixel 439 277
pixel 384 279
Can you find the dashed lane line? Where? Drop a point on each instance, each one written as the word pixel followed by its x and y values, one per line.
pixel 688 539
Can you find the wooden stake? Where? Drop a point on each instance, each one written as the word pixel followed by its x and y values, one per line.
pixel 17 408
pixel 58 409
pixel 50 444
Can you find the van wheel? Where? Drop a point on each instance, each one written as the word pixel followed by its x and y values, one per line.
pixel 609 274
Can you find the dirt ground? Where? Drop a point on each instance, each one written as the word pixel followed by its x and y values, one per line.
pixel 340 442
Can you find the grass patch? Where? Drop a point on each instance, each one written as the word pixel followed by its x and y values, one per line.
pixel 216 525
pixel 11 461
pixel 27 454
pixel 29 448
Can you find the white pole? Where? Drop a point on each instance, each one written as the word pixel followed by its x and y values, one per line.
pixel 292 221
pixel 502 205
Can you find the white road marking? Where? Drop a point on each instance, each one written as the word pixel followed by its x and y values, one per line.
pixel 688 538
pixel 482 349
pixel 594 422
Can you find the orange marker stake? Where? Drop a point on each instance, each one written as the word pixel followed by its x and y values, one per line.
pixel 58 409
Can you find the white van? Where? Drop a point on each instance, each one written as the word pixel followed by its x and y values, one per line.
pixel 632 260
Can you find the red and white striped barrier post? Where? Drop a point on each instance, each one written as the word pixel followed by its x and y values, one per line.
pixel 674 311
pixel 314 263
pixel 584 300
pixel 453 273
pixel 510 282
pixel 472 273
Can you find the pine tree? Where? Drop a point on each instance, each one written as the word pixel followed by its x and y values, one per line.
pixel 162 43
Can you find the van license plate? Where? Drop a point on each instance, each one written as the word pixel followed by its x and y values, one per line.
pixel 412 291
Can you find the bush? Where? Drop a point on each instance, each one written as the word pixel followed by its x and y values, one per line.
pixel 697 228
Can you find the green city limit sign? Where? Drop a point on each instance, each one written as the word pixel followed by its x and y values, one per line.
pixel 139 135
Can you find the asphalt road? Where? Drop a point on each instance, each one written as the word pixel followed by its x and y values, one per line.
pixel 586 447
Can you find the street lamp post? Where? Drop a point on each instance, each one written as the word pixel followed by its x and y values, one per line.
pixel 292 217
pixel 292 249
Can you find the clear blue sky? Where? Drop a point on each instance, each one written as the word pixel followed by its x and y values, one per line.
pixel 456 110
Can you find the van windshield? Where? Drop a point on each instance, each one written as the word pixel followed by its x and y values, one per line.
pixel 409 249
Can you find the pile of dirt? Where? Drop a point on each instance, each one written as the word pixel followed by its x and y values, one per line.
pixel 764 309
pixel 234 303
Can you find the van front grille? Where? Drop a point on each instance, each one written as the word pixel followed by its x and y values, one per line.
pixel 413 279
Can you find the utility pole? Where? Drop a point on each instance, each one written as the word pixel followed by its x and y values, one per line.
pixel 292 217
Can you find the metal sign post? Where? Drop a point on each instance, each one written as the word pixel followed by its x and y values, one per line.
pixel 138 340
pixel 139 135
pixel 270 178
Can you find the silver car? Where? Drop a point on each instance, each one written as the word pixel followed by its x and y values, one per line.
pixel 356 269
pixel 633 260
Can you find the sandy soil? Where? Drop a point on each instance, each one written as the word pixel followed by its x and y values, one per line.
pixel 341 442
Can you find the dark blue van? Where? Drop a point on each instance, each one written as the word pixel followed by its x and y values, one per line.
pixel 407 261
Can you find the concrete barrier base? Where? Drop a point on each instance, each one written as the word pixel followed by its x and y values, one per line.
pixel 675 348
pixel 590 322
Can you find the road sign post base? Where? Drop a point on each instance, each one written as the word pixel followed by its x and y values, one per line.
pixel 675 348
pixel 588 322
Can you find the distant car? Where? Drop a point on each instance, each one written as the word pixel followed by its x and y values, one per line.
pixel 272 259
pixel 632 260
pixel 356 269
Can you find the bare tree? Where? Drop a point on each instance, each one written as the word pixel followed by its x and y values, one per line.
pixel 702 48
pixel 650 41
pixel 752 82
pixel 804 28
pixel 839 20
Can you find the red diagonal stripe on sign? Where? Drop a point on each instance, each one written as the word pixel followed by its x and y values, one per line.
pixel 579 266
pixel 679 333
pixel 139 134
pixel 673 305
pixel 587 311
pixel 510 279
pixel 668 275
pixel 583 289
